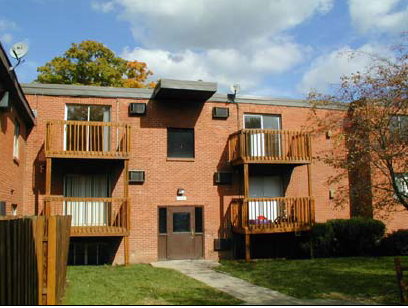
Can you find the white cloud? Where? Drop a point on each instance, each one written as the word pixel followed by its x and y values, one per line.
pixel 103 7
pixel 6 38
pixel 202 24
pixel 225 66
pixel 327 69
pixel 379 15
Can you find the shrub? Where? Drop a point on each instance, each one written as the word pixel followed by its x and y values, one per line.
pixel 395 244
pixel 346 237
pixel 322 239
pixel 357 236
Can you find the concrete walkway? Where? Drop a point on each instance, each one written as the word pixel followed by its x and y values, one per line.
pixel 245 291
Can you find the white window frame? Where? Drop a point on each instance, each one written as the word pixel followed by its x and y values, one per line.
pixel 16 148
pixel 401 183
pixel 262 119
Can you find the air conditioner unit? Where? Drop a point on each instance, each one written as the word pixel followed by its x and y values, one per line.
pixel 220 113
pixel 137 108
pixel 221 244
pixel 5 101
pixel 223 178
pixel 136 176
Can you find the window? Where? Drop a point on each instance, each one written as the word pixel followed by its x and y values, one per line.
pixel 180 142
pixel 162 220
pixel 262 121
pixel 402 183
pixel 89 137
pixel 16 135
pixel 2 208
pixel 181 222
pixel 14 209
pixel 399 125
pixel 199 220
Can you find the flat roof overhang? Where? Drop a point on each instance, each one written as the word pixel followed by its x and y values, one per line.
pixel 182 90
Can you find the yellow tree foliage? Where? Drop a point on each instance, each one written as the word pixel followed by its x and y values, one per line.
pixel 91 63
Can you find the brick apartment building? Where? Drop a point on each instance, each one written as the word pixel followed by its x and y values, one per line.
pixel 16 122
pixel 174 172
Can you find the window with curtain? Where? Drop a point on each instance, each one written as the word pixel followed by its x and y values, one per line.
pixel 87 212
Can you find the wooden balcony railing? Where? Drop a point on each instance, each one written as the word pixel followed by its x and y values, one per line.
pixel 269 146
pixel 85 139
pixel 92 216
pixel 270 215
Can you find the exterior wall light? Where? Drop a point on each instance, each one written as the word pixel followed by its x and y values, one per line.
pixel 180 191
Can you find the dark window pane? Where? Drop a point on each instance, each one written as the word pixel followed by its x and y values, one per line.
pixel 180 143
pixel 99 113
pixel 162 220
pixel 77 113
pixel 271 122
pixel 253 122
pixel 2 208
pixel 181 222
pixel 198 219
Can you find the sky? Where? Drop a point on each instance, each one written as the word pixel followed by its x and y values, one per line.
pixel 274 48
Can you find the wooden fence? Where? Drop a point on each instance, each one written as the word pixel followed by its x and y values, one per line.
pixel 33 259
pixel 402 284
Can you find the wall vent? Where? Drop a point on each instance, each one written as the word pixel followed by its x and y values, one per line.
pixel 136 176
pixel 137 108
pixel 220 113
pixel 223 178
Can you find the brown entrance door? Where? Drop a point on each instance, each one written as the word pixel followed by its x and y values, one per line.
pixel 181 233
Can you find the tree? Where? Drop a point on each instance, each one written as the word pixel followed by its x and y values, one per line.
pixel 371 137
pixel 91 63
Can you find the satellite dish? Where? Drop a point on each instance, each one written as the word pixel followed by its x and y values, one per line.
pixel 18 50
pixel 235 88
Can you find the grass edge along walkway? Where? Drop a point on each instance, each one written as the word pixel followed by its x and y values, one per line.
pixel 363 279
pixel 139 284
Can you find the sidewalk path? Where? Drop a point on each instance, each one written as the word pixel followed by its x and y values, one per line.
pixel 245 291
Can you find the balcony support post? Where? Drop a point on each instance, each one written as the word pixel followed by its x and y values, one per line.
pixel 126 195
pixel 246 181
pixel 48 169
pixel 247 247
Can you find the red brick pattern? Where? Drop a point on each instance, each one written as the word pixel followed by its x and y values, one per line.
pixel 11 170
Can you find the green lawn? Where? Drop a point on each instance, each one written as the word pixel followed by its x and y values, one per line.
pixel 138 285
pixel 370 279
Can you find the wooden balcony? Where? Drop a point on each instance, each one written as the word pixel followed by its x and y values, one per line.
pixel 272 215
pixel 269 147
pixel 82 139
pixel 92 216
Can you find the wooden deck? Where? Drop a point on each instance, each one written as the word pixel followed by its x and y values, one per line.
pixel 83 139
pixel 269 147
pixel 272 215
pixel 93 216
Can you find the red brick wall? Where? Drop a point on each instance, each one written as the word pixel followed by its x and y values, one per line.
pixel 11 170
pixel 164 176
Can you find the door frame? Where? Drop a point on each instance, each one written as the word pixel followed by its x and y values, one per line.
pixel 162 238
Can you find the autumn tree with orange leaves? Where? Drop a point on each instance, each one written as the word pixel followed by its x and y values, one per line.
pixel 91 63
pixel 370 139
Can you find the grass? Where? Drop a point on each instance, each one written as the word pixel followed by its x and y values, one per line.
pixel 367 279
pixel 138 285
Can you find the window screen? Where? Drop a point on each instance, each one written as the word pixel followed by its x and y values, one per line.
pixel 162 220
pixel 180 142
pixel 198 219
